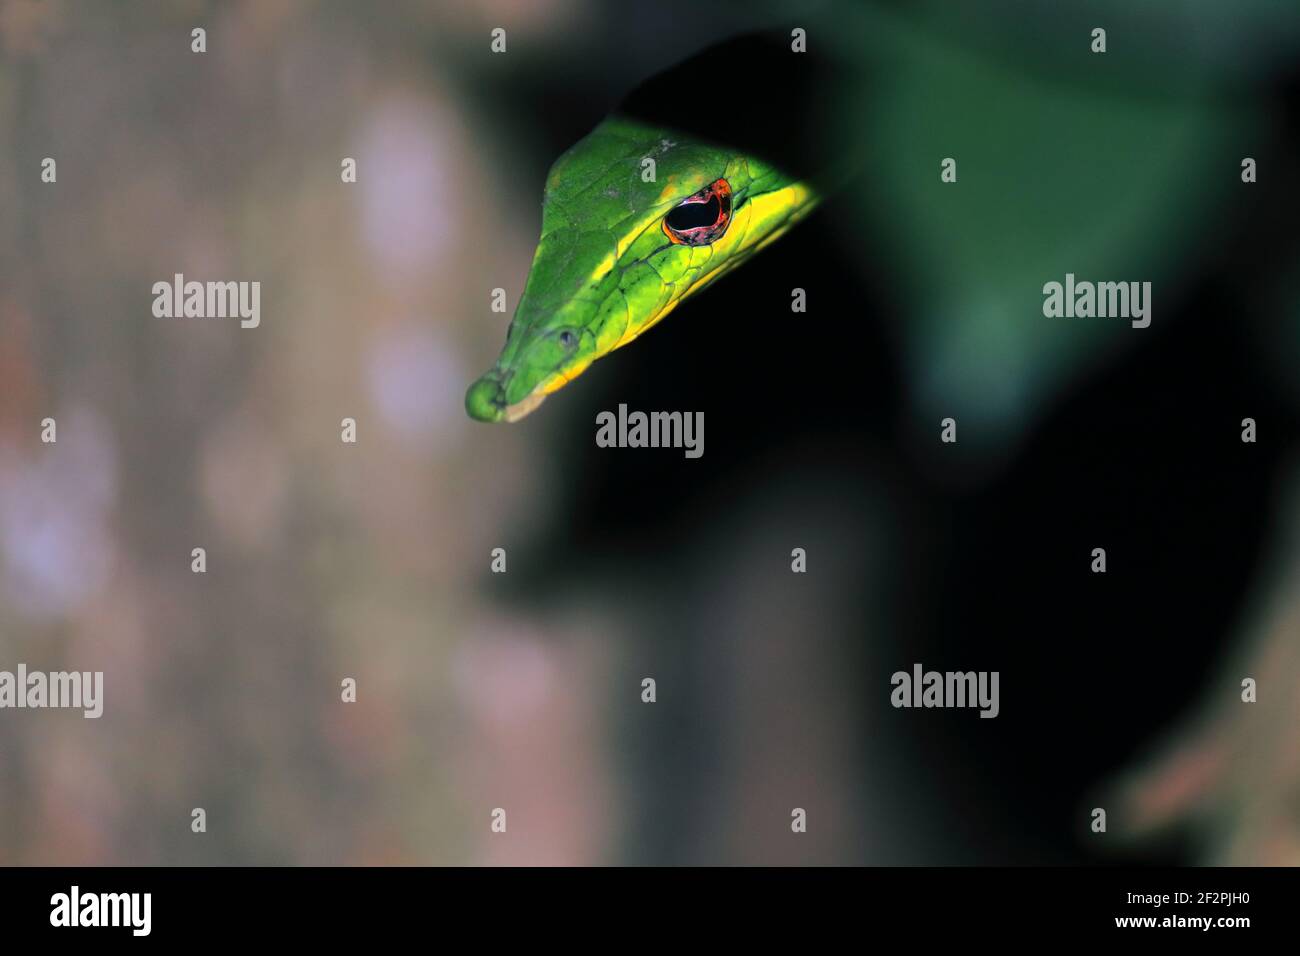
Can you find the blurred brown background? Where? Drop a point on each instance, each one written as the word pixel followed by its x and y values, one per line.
pixel 328 561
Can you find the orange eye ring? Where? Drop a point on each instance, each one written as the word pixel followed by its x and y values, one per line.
pixel 701 218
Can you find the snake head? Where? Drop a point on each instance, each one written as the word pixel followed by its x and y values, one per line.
pixel 635 218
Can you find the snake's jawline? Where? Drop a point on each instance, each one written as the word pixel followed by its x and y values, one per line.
pixel 525 406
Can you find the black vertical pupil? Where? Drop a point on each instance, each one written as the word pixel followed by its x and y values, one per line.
pixel 692 215
pixel 566 338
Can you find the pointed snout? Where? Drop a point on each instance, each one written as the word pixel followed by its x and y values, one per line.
pixel 486 399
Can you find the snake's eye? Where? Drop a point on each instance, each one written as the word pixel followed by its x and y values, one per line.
pixel 701 218
pixel 568 339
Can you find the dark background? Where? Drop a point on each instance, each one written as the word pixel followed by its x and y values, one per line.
pixel 1143 456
